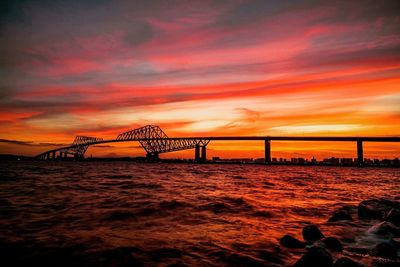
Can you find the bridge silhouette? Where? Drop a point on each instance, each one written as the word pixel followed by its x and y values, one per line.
pixel 154 141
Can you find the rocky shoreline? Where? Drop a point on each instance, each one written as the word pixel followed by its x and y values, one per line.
pixel 377 246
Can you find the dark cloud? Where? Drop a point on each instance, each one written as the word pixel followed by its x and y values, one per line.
pixel 104 146
pixel 30 143
pixel 16 10
pixel 90 77
pixel 249 12
pixel 5 92
pixel 98 100
pixel 140 32
pixel 53 144
pixel 50 105
pixel 12 11
pixel 341 59
pixel 348 12
pixel 15 142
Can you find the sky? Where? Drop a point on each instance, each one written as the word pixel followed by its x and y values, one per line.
pixel 209 68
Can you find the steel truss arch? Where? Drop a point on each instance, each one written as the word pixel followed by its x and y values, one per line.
pixel 153 140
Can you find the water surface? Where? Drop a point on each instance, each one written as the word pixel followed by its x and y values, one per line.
pixel 130 214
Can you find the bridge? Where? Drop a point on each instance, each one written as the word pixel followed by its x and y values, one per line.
pixel 154 141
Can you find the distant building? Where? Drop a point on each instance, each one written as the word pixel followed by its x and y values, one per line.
pixel 331 161
pixel 386 162
pixel 313 160
pixel 241 160
pixel 346 161
pixel 368 161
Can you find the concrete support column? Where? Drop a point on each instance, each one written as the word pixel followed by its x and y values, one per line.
pixel 197 153
pixel 360 156
pixel 53 155
pixel 203 153
pixel 267 151
pixel 152 157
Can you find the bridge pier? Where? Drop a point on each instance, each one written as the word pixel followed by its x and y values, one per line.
pixel 200 154
pixel 203 154
pixel 53 155
pixel 197 153
pixel 267 158
pixel 360 156
pixel 152 157
pixel 78 156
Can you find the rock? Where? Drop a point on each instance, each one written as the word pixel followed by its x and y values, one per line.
pixel 395 242
pixel 359 250
pixel 393 216
pixel 384 250
pixel 379 262
pixel 236 259
pixel 350 208
pixel 333 244
pixel 311 233
pixel 315 257
pixel 340 215
pixel 346 262
pixel 375 208
pixel 291 242
pixel 384 229
pixel 272 256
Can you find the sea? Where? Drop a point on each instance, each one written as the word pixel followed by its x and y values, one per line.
pixel 175 214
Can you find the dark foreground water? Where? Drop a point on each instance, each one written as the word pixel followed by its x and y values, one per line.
pixel 128 214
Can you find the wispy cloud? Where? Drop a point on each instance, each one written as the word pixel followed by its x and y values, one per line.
pixel 30 143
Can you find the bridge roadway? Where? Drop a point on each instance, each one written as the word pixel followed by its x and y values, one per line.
pixel 266 139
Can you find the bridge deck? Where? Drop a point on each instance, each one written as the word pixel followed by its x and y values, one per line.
pixel 154 141
pixel 251 138
pixel 290 138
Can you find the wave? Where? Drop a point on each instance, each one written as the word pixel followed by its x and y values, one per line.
pixel 162 208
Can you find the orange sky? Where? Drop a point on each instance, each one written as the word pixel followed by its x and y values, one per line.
pixel 200 68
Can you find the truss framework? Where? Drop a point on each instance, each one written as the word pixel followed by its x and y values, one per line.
pixel 153 140
pixel 81 144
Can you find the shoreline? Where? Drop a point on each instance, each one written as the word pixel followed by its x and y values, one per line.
pixel 373 237
pixel 184 161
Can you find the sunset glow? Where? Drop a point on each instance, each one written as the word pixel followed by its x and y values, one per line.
pixel 200 68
